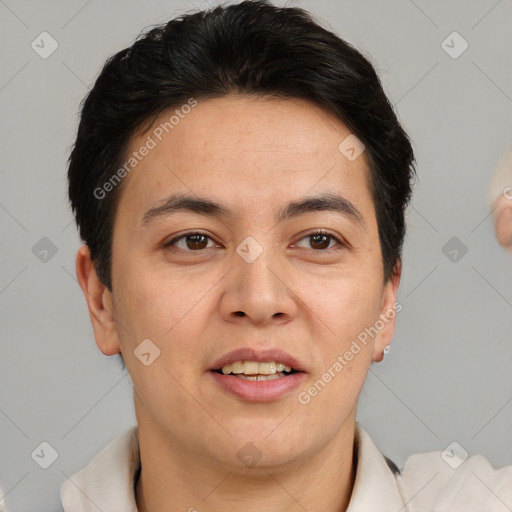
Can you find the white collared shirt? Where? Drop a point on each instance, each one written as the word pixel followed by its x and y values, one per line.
pixel 428 482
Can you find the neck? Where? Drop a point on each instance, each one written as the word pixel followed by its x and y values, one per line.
pixel 173 480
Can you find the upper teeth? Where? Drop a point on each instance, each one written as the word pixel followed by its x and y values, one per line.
pixel 255 368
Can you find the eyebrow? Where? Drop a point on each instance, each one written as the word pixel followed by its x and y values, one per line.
pixel 204 206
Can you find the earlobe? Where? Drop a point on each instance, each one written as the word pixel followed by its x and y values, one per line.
pixel 99 303
pixel 387 318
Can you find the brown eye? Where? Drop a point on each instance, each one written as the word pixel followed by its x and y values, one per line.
pixel 196 241
pixel 191 242
pixel 321 241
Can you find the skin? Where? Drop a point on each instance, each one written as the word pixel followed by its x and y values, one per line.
pixel 502 214
pixel 252 155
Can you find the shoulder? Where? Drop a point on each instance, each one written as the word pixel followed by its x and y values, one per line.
pixel 444 481
pixel 107 482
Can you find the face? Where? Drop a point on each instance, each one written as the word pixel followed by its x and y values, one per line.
pixel 273 258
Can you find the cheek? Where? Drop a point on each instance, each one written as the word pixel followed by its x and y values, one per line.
pixel 345 309
pixel 155 305
pixel 170 310
pixel 171 315
pixel 344 356
pixel 345 306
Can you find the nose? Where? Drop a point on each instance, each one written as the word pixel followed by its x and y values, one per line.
pixel 258 292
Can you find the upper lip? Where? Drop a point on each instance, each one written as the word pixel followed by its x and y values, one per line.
pixel 261 356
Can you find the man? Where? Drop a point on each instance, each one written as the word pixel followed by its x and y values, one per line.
pixel 239 179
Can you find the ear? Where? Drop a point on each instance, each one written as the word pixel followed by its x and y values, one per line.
pixel 99 302
pixel 388 311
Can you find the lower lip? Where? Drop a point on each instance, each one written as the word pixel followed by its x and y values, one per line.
pixel 259 390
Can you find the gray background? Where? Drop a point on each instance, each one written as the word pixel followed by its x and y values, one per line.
pixel 448 376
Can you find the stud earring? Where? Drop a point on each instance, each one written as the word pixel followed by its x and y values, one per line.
pixel 385 351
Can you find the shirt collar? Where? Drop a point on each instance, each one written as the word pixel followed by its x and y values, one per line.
pixel 108 482
pixel 376 481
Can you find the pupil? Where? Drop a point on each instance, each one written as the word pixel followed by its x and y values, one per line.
pixel 322 241
pixel 196 241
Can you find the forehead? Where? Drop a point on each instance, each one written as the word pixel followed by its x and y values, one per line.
pixel 241 148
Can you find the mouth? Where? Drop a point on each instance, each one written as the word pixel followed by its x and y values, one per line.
pixel 258 376
pixel 257 371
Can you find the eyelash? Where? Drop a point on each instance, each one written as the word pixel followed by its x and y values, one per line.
pixel 341 244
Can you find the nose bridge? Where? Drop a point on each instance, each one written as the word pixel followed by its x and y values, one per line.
pixel 257 267
pixel 257 289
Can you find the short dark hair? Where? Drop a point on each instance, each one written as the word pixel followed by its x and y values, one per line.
pixel 251 48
